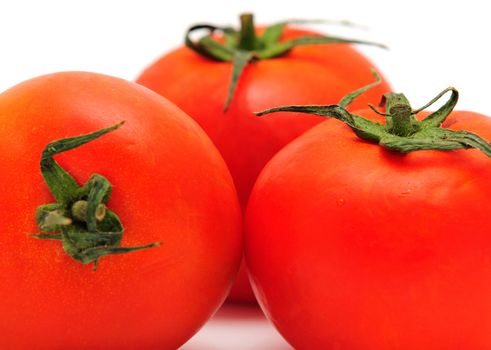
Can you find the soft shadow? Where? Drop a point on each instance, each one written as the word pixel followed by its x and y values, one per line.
pixel 237 327
pixel 233 311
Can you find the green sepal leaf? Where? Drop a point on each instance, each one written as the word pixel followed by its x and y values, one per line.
pixel 283 47
pixel 215 49
pixel 50 217
pixel 402 132
pixel 244 46
pixel 272 34
pixel 61 184
pixel 210 48
pixel 350 97
pixel 436 139
pixel 436 118
pixel 231 37
pixel 241 60
pixel 87 232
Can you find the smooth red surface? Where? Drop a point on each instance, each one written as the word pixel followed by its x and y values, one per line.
pixel 169 184
pixel 317 74
pixel 351 246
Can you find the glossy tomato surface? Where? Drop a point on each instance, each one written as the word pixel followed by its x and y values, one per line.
pixel 352 246
pixel 315 74
pixel 170 185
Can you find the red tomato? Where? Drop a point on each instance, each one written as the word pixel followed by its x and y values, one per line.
pixel 306 75
pixel 352 246
pixel 169 184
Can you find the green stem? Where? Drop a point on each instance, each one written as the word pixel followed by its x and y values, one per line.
pixel 80 211
pixel 400 120
pixel 247 37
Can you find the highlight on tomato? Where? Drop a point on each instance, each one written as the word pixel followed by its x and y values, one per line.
pixel 372 231
pixel 224 76
pixel 121 226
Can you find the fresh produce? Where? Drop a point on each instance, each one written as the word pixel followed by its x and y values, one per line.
pixel 226 75
pixel 357 245
pixel 113 236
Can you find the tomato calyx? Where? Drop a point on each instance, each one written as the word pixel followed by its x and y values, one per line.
pixel 402 132
pixel 244 46
pixel 80 218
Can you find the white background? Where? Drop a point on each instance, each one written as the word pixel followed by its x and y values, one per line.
pixel 433 44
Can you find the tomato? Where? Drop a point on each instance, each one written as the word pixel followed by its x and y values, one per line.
pixel 354 246
pixel 170 185
pixel 305 74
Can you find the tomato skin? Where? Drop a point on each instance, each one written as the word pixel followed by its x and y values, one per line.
pixel 318 74
pixel 351 246
pixel 169 184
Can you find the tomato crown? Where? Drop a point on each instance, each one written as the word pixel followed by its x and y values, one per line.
pixel 87 229
pixel 244 46
pixel 401 132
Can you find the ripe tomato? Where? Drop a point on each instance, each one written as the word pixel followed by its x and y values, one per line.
pixel 305 74
pixel 353 246
pixel 170 185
